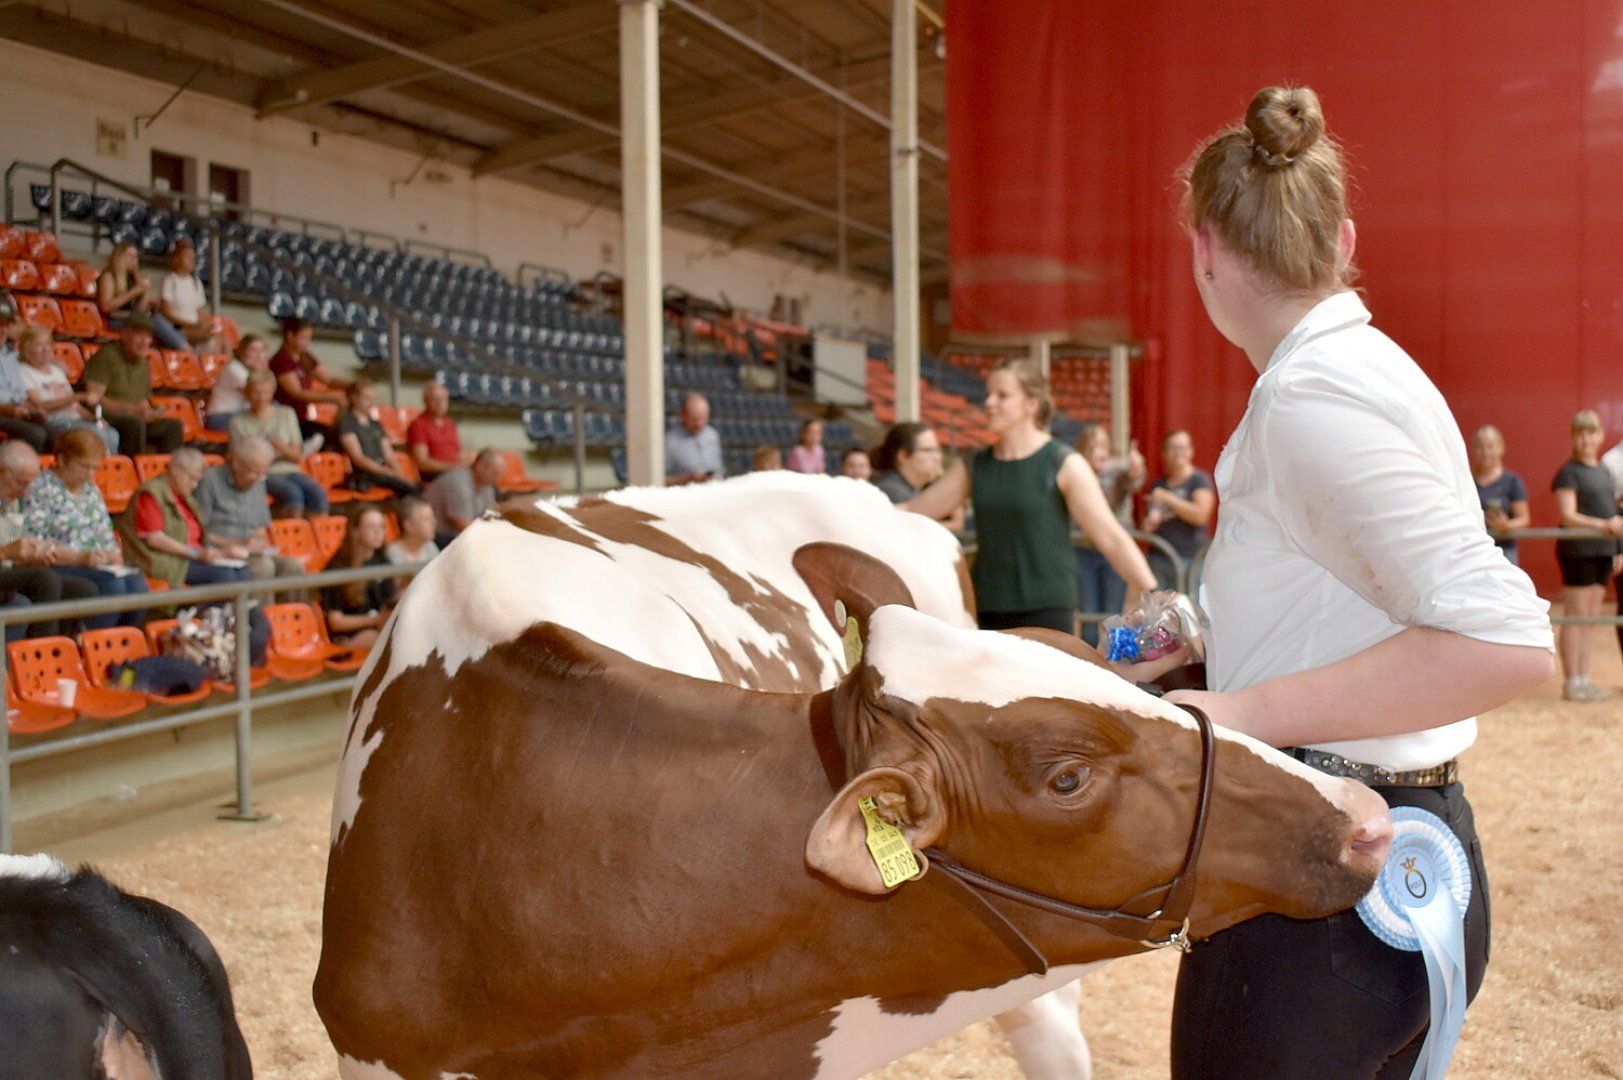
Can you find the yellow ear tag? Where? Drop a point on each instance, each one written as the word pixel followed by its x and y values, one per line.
pixel 853 639
pixel 889 848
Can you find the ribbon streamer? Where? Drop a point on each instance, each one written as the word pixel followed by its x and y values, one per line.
pixel 1418 905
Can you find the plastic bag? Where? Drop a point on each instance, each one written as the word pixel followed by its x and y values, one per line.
pixel 1163 622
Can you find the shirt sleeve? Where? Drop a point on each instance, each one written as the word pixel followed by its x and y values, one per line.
pixel 1357 491
pixel 148 514
pixel 1518 490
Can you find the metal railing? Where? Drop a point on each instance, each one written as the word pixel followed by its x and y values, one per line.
pixel 242 704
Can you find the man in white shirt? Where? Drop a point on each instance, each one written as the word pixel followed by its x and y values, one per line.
pixel 1613 460
pixel 183 302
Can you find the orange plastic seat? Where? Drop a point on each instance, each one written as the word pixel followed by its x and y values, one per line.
pixel 515 479
pixel 228 326
pixel 296 538
pixel 13 245
pixel 59 278
pixel 19 274
pixel 71 358
pixel 42 247
pixel 299 631
pixel 41 311
pixel 393 421
pixel 212 364
pixel 115 645
pixel 258 677
pixel 408 465
pixel 160 370
pixel 330 531
pixel 329 469
pixel 82 319
pixel 391 527
pixel 185 410
pixel 183 369
pixel 117 478
pixel 38 663
pixel 148 466
pixel 25 717
pixel 88 276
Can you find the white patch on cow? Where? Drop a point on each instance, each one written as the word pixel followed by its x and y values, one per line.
pixel 920 658
pixel 35 867
pixel 865 1037
pixel 498 580
pixel 351 1069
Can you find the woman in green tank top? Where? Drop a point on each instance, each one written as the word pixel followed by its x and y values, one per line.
pixel 1026 489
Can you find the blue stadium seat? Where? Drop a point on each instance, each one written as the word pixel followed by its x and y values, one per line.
pixel 280 306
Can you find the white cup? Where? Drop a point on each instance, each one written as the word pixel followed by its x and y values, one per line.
pixel 67 691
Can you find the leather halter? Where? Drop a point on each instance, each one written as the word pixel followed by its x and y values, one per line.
pixel 1158 917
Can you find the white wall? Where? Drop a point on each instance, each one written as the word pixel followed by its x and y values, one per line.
pixel 52 104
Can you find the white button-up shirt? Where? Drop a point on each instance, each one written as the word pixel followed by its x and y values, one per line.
pixel 1348 513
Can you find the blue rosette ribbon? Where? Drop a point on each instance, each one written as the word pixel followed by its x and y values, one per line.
pixel 1418 905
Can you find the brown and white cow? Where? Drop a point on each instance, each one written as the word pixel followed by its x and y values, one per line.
pixel 560 856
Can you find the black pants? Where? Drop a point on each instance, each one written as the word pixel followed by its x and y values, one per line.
pixel 1285 999
pixel 32 434
pixel 137 436
pixel 361 480
pixel 1062 619
pixel 44 586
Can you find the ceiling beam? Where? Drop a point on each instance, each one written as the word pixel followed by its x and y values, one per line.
pixel 820 161
pixel 709 110
pixel 785 228
pixel 481 46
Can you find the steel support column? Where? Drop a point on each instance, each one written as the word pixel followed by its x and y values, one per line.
pixel 904 208
pixel 644 252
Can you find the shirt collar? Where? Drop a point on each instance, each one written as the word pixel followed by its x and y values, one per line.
pixel 1338 312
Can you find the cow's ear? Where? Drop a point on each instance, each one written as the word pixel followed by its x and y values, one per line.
pixel 843 576
pixel 838 844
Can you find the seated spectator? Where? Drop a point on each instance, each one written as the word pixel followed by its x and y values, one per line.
pixel 767 458
pixel 120 380
pixel 65 509
pixel 856 464
pixel 1502 493
pixel 163 528
pixel 294 491
pixel 432 439
pixel 182 301
pixel 1179 506
pixel 303 381
pixel 808 455
pixel 230 393
pixel 907 462
pixel 416 542
pixel 372 460
pixel 693 447
pixel 460 496
pixel 357 611
pixel 50 392
pixel 123 291
pixel 236 520
pixel 27 573
pixel 19 417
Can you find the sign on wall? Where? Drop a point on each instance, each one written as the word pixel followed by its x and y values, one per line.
pixel 111 138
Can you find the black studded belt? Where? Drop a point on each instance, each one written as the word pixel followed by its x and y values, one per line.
pixel 1375 775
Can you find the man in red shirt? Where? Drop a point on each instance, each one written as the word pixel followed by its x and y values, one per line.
pixel 433 439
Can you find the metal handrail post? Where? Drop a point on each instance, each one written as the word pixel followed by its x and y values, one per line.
pixel 216 253
pixel 394 360
pixel 580 447
pixel 245 716
pixel 56 200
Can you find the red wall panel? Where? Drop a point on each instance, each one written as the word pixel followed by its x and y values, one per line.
pixel 1486 143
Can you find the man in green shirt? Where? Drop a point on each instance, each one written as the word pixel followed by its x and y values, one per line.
pixel 122 380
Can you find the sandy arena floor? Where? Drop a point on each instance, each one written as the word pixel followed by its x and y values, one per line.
pixel 1544 778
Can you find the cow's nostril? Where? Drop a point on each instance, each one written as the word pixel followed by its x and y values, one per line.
pixel 1373 838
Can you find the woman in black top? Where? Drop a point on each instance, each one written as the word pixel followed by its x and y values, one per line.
pixel 1585 500
pixel 357 611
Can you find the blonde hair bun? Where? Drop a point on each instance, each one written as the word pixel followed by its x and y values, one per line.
pixel 1284 123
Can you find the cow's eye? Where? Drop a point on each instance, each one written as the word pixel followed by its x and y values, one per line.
pixel 1069 780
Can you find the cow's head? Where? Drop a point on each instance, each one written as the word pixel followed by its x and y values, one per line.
pixel 1031 765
